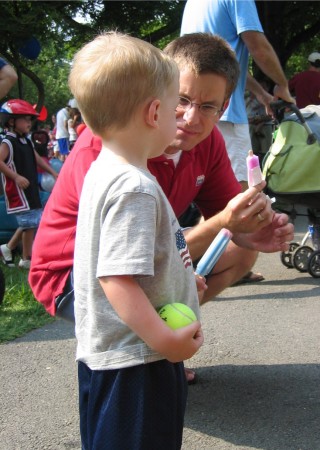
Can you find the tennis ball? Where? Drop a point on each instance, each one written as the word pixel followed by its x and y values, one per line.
pixel 177 315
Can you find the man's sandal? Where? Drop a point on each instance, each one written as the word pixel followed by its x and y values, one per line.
pixel 250 277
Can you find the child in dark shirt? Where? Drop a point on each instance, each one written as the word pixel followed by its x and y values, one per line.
pixel 18 167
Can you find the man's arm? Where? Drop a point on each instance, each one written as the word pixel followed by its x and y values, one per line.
pixel 239 216
pixel 8 78
pixel 261 94
pixel 266 58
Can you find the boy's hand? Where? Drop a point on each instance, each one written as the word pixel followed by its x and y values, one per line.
pixel 22 182
pixel 186 342
pixel 201 286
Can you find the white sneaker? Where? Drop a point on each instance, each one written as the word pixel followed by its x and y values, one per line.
pixel 24 263
pixel 7 255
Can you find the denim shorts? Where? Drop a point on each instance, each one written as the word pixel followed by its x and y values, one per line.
pixel 29 219
pixel 63 146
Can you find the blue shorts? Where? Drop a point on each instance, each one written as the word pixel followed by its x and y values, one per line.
pixel 29 219
pixel 63 144
pixel 137 408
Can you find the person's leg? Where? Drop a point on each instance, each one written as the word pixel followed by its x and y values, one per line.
pixel 7 249
pixel 27 241
pixel 28 221
pixel 56 153
pixel 63 148
pixel 238 144
pixel 234 264
pixel 16 238
pixel 128 408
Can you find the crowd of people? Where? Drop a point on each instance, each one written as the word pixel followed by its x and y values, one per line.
pixel 26 150
pixel 165 130
pixel 64 132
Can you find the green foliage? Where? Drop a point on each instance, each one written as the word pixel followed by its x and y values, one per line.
pixel 53 71
pixel 292 27
pixel 298 60
pixel 19 312
pixel 62 27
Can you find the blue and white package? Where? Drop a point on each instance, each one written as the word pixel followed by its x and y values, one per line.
pixel 213 253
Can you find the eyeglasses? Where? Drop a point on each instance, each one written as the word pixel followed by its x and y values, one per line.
pixel 206 110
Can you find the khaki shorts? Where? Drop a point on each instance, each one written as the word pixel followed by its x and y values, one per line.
pixel 238 143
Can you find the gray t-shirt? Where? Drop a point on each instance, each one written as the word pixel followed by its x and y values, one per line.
pixel 126 226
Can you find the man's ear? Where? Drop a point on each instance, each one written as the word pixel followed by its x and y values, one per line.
pixel 153 113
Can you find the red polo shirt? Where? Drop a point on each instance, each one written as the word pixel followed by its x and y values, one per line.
pixel 203 175
pixel 306 87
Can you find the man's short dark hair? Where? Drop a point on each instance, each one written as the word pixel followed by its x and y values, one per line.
pixel 205 53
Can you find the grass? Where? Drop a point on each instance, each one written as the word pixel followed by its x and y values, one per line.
pixel 19 311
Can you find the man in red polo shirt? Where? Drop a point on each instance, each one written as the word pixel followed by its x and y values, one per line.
pixel 195 168
pixel 306 85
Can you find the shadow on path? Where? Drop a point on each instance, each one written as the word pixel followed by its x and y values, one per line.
pixel 274 407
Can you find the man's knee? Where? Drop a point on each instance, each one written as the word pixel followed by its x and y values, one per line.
pixel 235 263
pixel 235 259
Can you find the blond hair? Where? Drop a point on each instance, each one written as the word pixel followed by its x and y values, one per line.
pixel 115 73
pixel 204 53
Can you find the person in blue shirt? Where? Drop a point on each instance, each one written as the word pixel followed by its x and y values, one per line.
pixel 238 23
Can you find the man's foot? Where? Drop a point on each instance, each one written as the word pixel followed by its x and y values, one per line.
pixel 250 277
pixel 7 255
pixel 191 376
pixel 24 264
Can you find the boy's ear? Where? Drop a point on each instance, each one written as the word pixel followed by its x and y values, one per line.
pixel 152 113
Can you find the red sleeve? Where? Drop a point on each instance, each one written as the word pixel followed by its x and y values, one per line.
pixel 220 184
pixel 52 252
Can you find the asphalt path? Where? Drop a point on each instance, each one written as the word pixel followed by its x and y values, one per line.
pixel 258 372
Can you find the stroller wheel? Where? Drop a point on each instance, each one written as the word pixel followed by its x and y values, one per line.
pixel 301 257
pixel 286 257
pixel 314 264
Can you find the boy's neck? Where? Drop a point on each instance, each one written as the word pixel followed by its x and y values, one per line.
pixel 125 155
pixel 131 145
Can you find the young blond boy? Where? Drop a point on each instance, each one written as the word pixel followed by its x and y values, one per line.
pixel 130 254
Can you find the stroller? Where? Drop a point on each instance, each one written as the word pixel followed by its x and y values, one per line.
pixel 292 171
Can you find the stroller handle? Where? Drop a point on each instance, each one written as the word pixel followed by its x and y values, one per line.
pixel 281 104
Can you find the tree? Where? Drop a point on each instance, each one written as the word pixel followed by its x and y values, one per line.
pixel 293 29
pixel 62 27
pixel 57 25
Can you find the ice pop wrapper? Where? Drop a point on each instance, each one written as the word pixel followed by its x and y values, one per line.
pixel 254 171
pixel 213 253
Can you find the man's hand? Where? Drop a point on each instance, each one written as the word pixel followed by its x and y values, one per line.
pixel 249 211
pixel 274 237
pixel 283 93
